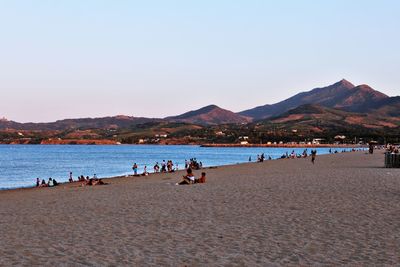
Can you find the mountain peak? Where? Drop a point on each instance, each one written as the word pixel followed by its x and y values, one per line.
pixel 209 108
pixel 344 83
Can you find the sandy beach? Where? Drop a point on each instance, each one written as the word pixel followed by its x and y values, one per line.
pixel 344 210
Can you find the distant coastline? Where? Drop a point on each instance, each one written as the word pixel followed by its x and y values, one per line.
pixel 111 142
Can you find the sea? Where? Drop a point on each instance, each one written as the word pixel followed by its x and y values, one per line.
pixel 20 165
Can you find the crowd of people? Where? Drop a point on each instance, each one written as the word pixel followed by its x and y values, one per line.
pixel 169 167
pixel 50 183
pixel 82 179
pixel 87 181
pixel 193 164
pixel 166 166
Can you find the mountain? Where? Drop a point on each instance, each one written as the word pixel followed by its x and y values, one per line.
pixel 210 115
pixel 86 123
pixel 317 118
pixel 343 95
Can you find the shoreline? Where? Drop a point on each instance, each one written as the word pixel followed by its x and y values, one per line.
pixel 151 174
pixel 288 145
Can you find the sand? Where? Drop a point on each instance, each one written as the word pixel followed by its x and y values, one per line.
pixel 344 210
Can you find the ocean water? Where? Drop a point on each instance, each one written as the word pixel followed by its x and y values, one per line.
pixel 21 164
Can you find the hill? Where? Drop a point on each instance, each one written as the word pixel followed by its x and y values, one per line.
pixel 210 115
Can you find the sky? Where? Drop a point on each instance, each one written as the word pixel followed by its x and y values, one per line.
pixel 93 58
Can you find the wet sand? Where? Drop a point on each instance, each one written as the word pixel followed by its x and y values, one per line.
pixel 345 209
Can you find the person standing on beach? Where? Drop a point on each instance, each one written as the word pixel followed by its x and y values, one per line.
pixel 163 166
pixel 313 155
pixel 156 167
pixel 134 168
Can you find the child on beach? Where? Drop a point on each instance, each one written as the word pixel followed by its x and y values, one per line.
pixel 202 179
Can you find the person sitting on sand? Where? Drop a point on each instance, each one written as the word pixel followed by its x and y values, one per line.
pixel 93 181
pixel 100 182
pixel 188 178
pixel 202 179
pixel 43 184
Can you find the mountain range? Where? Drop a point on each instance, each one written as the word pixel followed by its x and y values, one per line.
pixel 342 98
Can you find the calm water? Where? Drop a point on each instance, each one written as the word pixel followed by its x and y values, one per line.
pixel 21 164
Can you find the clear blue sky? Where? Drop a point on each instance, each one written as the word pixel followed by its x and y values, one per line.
pixel 90 58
